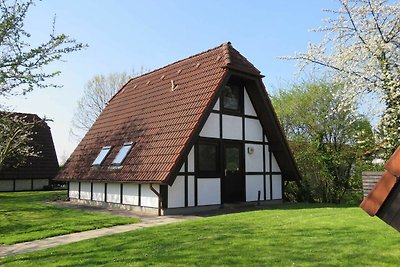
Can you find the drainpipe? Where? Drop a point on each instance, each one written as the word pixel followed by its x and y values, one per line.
pixel 159 198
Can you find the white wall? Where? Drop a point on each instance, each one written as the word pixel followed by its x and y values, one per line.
pixel 248 106
pixel 211 127
pixel 130 194
pixel 267 167
pixel 216 106
pixel 85 190
pixel 73 189
pixel 114 192
pixel 274 164
pixel 254 183
pixel 176 193
pixel 253 130
pixel 182 169
pixel 231 127
pixel 98 191
pixel 208 191
pixel 276 187
pixel 23 184
pixel 6 185
pixel 190 191
pixel 267 188
pixel 254 162
pixel 147 197
pixel 38 184
pixel 191 160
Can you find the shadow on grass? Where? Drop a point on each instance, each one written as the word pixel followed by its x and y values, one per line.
pixel 239 208
pixel 330 237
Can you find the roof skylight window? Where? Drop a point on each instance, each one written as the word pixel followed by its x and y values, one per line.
pixel 123 152
pixel 101 156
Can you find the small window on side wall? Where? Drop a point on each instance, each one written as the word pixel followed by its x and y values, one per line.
pixel 231 98
pixel 208 158
pixel 123 152
pixel 102 156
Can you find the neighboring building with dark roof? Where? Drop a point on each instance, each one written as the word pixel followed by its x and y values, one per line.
pixel 37 172
pixel 200 132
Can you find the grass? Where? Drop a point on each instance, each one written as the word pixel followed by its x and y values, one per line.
pixel 24 216
pixel 289 235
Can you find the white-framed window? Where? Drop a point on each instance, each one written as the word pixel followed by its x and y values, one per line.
pixel 101 156
pixel 123 152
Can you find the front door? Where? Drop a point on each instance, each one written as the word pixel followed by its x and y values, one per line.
pixel 233 180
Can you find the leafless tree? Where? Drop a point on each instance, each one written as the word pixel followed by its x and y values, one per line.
pixel 97 92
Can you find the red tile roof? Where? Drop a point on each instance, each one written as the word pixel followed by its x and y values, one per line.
pixel 374 200
pixel 159 111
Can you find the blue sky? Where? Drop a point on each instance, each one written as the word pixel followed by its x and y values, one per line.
pixel 126 35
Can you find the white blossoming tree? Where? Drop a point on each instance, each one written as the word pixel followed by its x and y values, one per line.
pixel 361 50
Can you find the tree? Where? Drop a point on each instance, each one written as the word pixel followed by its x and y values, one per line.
pixel 327 141
pixel 16 139
pixel 361 49
pixel 22 69
pixel 97 92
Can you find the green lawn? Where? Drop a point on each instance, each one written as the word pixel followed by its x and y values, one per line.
pixel 290 235
pixel 24 216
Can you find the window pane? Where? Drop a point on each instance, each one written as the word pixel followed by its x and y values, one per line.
pixel 232 159
pixel 123 152
pixel 208 157
pixel 231 98
pixel 102 155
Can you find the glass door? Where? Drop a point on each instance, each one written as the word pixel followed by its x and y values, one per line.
pixel 233 180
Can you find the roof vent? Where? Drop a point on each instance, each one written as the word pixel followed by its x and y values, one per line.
pixel 179 71
pixel 173 85
pixel 134 87
pixel 218 58
pixel 148 82
pixel 197 65
pixel 162 77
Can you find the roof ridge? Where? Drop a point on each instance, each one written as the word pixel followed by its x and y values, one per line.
pixel 16 113
pixel 168 65
pixel 230 58
pixel 181 60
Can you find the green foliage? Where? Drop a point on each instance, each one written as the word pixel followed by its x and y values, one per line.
pixel 361 50
pixel 25 216
pixel 287 235
pixel 328 139
pixel 21 66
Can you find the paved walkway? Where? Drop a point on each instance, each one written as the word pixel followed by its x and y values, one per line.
pixel 147 221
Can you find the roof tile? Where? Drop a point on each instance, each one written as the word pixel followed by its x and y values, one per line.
pixel 159 120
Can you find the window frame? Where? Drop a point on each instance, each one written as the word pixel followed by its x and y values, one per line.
pixel 207 173
pixel 130 145
pixel 98 161
pixel 240 109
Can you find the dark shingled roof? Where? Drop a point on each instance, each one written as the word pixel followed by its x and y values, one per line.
pixel 43 167
pixel 161 112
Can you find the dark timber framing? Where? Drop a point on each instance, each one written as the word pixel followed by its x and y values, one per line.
pixel 245 83
pixel 266 172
